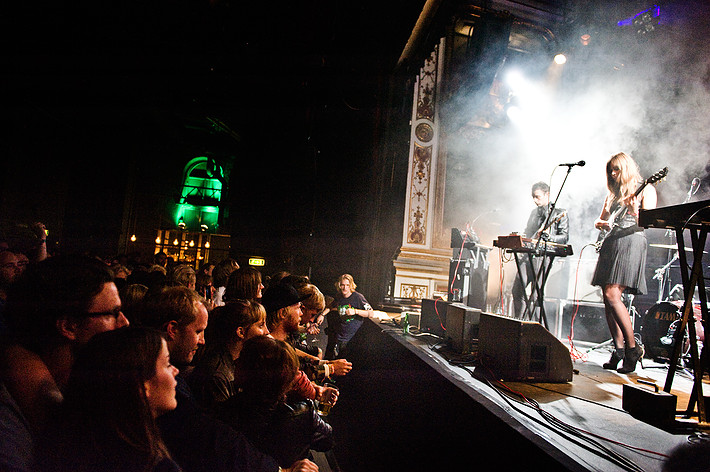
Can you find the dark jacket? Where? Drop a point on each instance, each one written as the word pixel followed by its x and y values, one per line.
pixel 200 443
pixel 558 231
pixel 212 380
pixel 285 431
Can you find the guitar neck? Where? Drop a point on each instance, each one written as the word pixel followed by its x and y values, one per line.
pixel 621 211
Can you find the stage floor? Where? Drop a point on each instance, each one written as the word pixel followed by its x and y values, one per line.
pixel 580 423
pixel 398 391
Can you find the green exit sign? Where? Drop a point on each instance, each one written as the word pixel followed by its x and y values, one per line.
pixel 256 261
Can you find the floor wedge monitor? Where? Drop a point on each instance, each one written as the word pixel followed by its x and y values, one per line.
pixel 522 350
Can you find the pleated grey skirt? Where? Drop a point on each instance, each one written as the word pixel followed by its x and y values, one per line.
pixel 623 261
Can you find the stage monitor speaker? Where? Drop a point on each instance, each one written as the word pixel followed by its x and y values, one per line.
pixel 589 322
pixel 433 319
pixel 468 282
pixel 522 350
pixel 462 326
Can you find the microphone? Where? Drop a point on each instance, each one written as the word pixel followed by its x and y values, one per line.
pixel 572 164
pixel 694 186
pixel 495 210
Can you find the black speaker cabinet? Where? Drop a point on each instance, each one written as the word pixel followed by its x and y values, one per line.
pixel 433 319
pixel 468 281
pixel 462 326
pixel 588 321
pixel 522 350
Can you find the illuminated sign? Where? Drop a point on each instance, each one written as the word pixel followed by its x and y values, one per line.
pixel 256 261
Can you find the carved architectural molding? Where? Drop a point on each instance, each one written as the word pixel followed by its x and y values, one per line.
pixel 421 267
pixel 423 153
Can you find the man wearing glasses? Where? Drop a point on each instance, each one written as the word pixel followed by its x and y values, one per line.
pixel 57 306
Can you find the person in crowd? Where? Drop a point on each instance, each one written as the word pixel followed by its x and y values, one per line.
pixel 53 309
pixel 244 284
pixel 120 383
pixel 161 260
pixel 557 231
pixel 182 313
pixel 315 307
pixel 198 441
pixel 311 307
pixel 206 268
pixel 204 286
pixel 293 279
pixel 347 314
pixel 9 272
pixel 212 380
pixel 622 256
pixel 22 261
pixel 277 277
pixel 284 430
pixel 28 239
pixel 57 306
pixel 220 276
pixel 283 314
pixel 131 298
pixel 16 438
pixel 183 274
pixel 120 274
pixel 311 356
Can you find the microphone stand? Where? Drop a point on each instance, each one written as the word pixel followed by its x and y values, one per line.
pixel 552 207
pixel 479 216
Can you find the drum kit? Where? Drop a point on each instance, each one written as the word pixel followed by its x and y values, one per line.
pixel 659 323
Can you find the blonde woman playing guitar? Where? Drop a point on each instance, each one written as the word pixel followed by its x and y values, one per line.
pixel 622 254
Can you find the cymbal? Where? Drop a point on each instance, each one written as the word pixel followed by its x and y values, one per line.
pixel 673 246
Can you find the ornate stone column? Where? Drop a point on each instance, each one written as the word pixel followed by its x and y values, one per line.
pixel 422 266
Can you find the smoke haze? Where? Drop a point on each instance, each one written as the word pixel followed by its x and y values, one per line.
pixel 646 96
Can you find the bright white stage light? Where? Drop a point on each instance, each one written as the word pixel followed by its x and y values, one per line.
pixel 515 81
pixel 560 59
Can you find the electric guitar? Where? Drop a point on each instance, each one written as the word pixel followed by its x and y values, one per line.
pixel 620 212
pixel 544 228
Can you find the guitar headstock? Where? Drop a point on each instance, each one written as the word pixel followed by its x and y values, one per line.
pixel 658 176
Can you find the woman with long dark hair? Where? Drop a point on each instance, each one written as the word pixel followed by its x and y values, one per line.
pixel 121 382
pixel 284 429
pixel 245 283
pixel 212 380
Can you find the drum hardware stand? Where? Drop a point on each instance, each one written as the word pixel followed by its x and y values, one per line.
pixel 662 276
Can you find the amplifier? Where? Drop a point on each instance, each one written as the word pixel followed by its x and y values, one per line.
pixel 462 326
pixel 433 319
pixel 589 322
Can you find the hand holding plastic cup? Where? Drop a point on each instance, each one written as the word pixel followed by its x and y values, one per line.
pixel 328 399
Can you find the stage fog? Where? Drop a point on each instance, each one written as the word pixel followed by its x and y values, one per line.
pixel 644 94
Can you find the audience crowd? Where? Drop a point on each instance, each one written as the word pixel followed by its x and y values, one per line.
pixel 118 366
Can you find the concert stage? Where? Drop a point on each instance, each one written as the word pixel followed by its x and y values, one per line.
pixel 410 403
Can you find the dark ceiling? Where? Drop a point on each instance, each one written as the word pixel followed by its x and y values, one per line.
pixel 187 52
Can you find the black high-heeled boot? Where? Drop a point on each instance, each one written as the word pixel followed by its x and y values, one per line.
pixel 631 357
pixel 616 356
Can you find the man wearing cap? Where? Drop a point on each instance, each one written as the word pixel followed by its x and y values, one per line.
pixel 283 314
